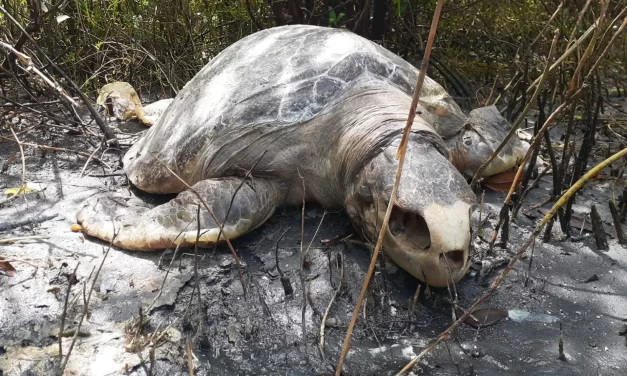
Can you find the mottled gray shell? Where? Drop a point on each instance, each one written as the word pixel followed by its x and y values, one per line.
pixel 279 78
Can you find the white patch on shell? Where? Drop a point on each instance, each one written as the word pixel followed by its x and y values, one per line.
pixel 336 47
pixel 261 47
pixel 214 97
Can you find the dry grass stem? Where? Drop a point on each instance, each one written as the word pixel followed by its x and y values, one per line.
pixel 85 308
pixel 336 291
pixel 401 159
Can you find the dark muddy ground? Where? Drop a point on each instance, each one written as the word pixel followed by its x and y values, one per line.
pixel 261 332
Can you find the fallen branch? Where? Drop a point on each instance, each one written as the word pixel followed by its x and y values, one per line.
pixel 63 150
pixel 20 238
pixel 31 68
pixel 107 132
pixel 26 221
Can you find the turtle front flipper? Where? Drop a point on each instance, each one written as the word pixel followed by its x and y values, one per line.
pixel 175 222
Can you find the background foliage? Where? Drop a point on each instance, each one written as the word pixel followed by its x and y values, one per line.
pixel 155 44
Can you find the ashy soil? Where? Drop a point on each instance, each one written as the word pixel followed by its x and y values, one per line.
pixel 157 313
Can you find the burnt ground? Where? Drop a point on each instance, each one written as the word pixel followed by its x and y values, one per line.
pixel 260 332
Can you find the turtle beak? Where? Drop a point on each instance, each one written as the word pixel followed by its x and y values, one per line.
pixel 440 257
pixel 428 234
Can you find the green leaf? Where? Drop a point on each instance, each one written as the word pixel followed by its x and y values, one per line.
pixel 333 19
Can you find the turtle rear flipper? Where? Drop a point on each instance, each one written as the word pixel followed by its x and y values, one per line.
pixel 175 223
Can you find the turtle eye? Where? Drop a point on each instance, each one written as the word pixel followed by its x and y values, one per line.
pixel 364 194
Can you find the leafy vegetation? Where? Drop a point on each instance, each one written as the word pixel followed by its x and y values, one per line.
pixel 161 44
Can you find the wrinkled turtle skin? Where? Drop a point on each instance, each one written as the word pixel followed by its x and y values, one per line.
pixel 304 103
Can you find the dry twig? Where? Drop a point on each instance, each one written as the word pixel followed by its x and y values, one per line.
pixel 85 308
pixel 323 322
pixel 107 132
pixel 31 68
pixel 70 280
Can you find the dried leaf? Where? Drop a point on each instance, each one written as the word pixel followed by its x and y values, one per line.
pixel 6 268
pixel 500 182
pixel 17 191
pixel 485 317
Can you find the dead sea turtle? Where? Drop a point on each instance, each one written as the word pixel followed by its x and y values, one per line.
pixel 319 107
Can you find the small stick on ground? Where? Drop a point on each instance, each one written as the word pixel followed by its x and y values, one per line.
pixel 64 150
pixel 412 306
pixel 85 308
pixel 620 234
pixel 20 238
pixel 301 273
pixel 599 231
pixel 480 230
pixel 287 285
pixel 323 322
pixel 533 248
pixel 70 280
pixel 560 348
pixel 189 356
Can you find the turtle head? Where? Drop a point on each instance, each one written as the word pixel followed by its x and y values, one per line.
pixel 429 229
pixel 484 130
